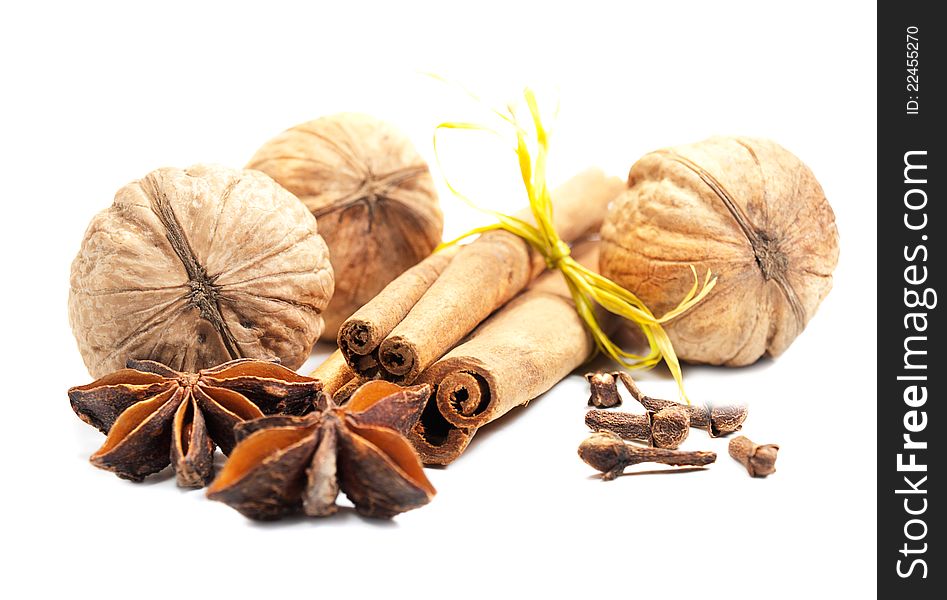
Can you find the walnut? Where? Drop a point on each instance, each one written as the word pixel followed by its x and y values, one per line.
pixel 749 211
pixel 372 194
pixel 195 267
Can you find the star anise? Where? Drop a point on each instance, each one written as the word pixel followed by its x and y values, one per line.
pixel 154 416
pixel 282 465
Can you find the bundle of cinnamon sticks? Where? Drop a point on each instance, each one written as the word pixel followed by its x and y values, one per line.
pixel 485 324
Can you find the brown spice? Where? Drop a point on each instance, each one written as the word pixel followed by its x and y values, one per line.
pixel 669 426
pixel 345 392
pixel 606 452
pixel 522 350
pixel 628 426
pixel 334 373
pixel 371 192
pixel 666 428
pixel 751 213
pixel 482 277
pixel 154 416
pixel 284 465
pixel 195 267
pixel 718 421
pixel 759 459
pixel 725 420
pixel 603 390
pixel 361 334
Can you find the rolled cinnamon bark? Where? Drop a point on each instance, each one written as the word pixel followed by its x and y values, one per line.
pixel 361 333
pixel 514 356
pixel 333 373
pixel 344 393
pixel 484 276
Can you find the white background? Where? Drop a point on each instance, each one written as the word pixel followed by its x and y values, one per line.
pixel 97 95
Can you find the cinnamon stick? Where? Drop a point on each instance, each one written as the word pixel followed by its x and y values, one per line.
pixel 514 356
pixel 484 276
pixel 360 334
pixel 333 373
pixel 344 393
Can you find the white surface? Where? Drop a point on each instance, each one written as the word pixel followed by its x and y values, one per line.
pixel 96 96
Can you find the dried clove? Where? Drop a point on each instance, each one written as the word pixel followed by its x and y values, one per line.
pixel 718 421
pixel 666 428
pixel 724 420
pixel 759 459
pixel 606 452
pixel 604 390
pixel 626 425
pixel 669 426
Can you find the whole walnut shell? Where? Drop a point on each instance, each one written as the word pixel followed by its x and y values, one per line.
pixel 749 211
pixel 372 194
pixel 196 267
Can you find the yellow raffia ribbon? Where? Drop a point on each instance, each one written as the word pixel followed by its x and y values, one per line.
pixel 587 287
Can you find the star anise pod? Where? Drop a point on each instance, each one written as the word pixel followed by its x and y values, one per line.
pixel 282 465
pixel 154 416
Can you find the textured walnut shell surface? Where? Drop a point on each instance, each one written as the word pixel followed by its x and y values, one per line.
pixel 196 267
pixel 748 210
pixel 372 194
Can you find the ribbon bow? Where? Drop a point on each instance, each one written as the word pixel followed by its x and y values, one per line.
pixel 587 287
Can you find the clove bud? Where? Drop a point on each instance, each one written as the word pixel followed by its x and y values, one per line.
pixel 718 421
pixel 628 426
pixel 666 428
pixel 669 426
pixel 724 420
pixel 606 452
pixel 604 390
pixel 759 460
